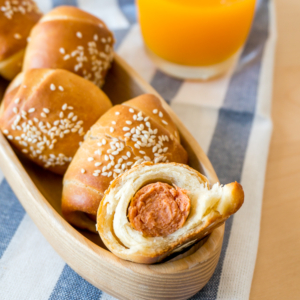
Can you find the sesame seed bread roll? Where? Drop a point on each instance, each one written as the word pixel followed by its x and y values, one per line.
pixel 71 39
pixel 209 208
pixel 138 130
pixel 17 17
pixel 46 113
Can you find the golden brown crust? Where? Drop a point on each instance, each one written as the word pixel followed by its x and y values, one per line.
pixel 17 17
pixel 120 152
pixel 231 195
pixel 69 38
pixel 47 115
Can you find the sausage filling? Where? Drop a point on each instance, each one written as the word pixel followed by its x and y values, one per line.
pixel 159 209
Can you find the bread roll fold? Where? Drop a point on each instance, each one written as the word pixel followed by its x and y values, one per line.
pixel 46 113
pixel 138 130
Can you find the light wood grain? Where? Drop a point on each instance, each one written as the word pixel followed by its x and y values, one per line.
pixel 277 271
pixel 39 191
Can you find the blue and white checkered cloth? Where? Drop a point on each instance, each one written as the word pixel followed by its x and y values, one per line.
pixel 230 118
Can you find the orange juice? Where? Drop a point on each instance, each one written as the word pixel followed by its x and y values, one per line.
pixel 195 32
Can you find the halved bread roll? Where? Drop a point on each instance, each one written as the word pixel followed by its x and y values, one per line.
pixel 209 208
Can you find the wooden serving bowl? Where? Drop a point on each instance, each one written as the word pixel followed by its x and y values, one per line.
pixel 39 191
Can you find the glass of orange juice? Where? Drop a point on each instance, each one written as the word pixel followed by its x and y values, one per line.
pixel 195 39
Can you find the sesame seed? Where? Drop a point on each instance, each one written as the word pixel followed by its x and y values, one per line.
pixel 128 122
pixel 106 157
pixel 66 57
pixel 163 121
pixel 31 110
pixel 160 114
pixel 129 163
pixel 147 158
pixel 128 134
pixel 10 137
pixel 70 115
pixel 52 87
pixel 131 110
pixel 134 117
pixel 109 174
pixel 148 124
pixel 103 141
pixel 103 40
pixel 43 115
pixel 62 50
pixel 96 174
pixel 128 154
pixel 60 88
pixel 142 152
pixel 95 37
pixel 126 128
pixel 90 158
pixel 70 107
pixel 5 131
pixel 117 113
pixel 114 122
pixel 111 129
pixel 79 34
pixel 137 146
pixel 155 111
pixel 17 100
pixel 46 110
pixel 15 110
pixel 97 164
pixel 17 36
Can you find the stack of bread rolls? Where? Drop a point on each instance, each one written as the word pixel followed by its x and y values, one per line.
pixel 69 38
pixel 129 155
pixel 48 109
pixel 17 17
pixel 46 113
pixel 138 130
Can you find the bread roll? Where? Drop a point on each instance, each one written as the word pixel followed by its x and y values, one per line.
pixel 45 114
pixel 69 38
pixel 209 208
pixel 17 17
pixel 128 134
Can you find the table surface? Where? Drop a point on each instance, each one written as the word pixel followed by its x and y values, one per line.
pixel 277 270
